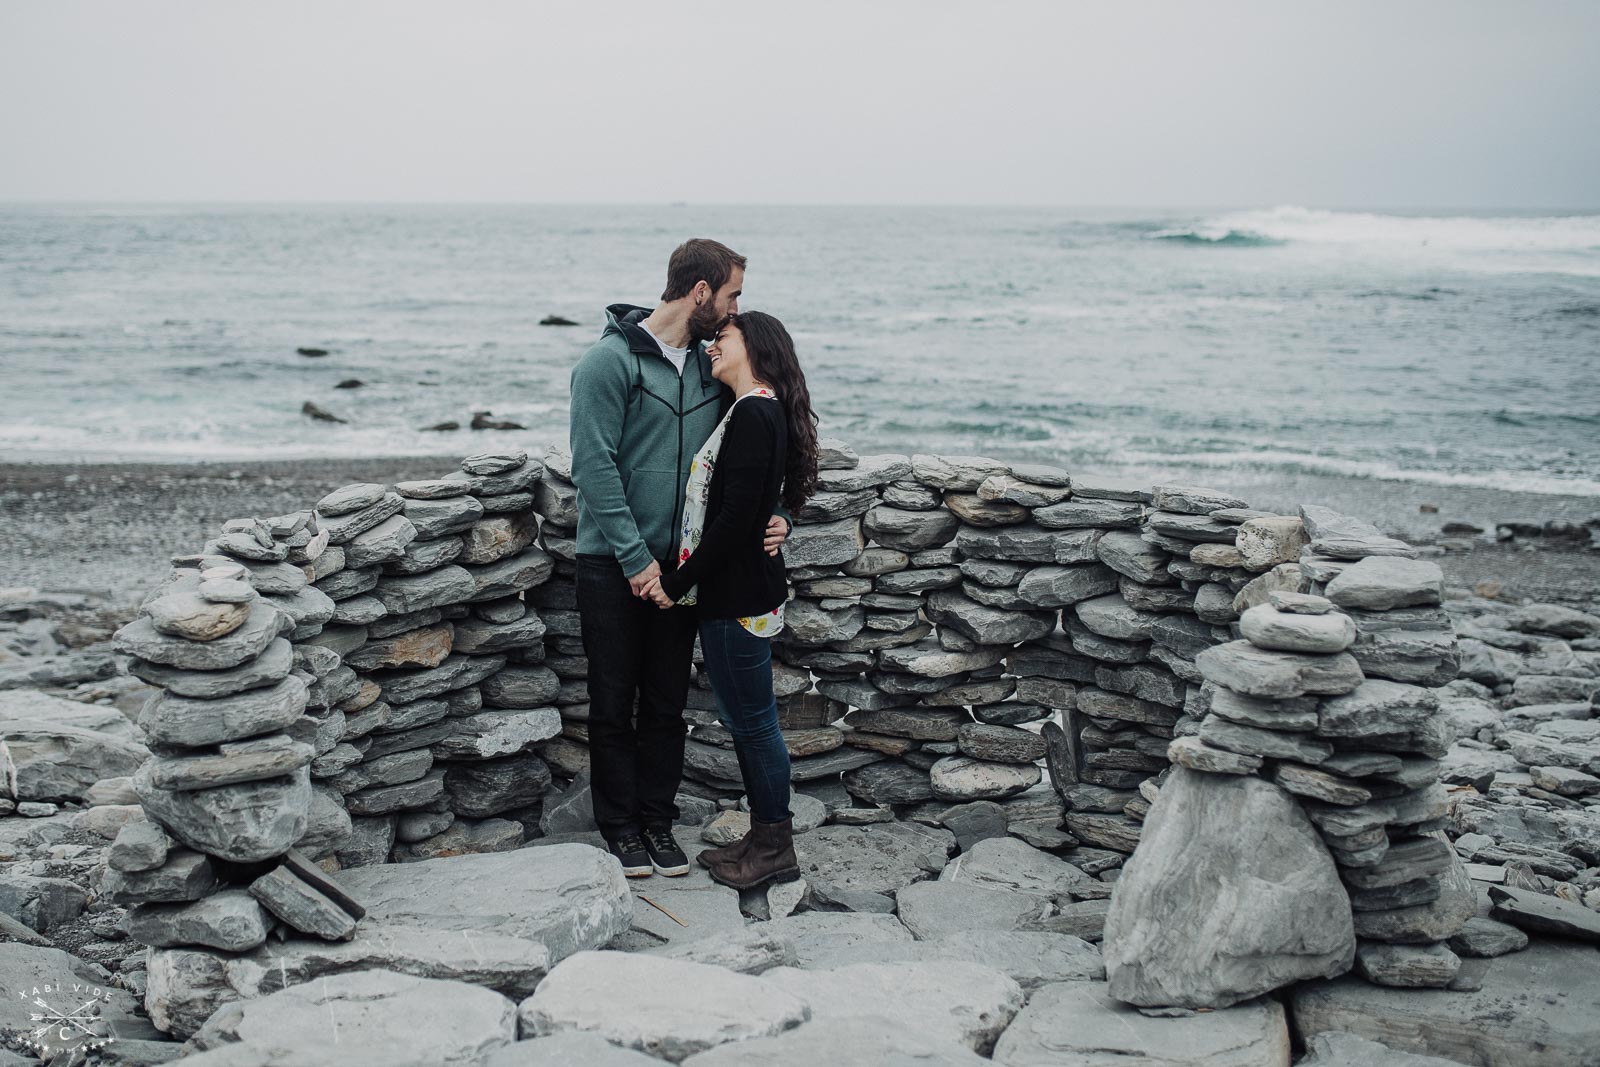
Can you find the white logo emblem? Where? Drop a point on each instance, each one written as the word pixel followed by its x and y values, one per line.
pixel 66 1016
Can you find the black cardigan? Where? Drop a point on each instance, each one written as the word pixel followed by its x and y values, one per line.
pixel 735 575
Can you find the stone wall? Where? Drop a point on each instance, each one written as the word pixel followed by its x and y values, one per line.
pixel 398 675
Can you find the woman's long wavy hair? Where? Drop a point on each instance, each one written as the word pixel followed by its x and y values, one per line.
pixel 772 360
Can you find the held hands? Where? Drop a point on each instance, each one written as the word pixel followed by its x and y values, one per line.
pixel 647 583
pixel 655 594
pixel 639 581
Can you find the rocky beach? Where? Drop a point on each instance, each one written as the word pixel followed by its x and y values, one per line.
pixel 1088 771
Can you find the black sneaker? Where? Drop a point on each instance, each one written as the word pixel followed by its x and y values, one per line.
pixel 665 855
pixel 630 852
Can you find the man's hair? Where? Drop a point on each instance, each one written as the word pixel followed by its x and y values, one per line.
pixel 699 259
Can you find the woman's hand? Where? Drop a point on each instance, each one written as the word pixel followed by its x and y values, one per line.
pixel 654 593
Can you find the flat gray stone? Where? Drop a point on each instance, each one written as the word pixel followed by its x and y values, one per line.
pixel 1081 1024
pixel 1054 587
pixel 824 544
pixel 929 660
pixel 961 778
pixel 375 1017
pixel 1125 552
pixel 195 616
pixel 1380 583
pixel 405 593
pixel 962 1002
pixel 269 668
pixel 1269 541
pixel 1231 894
pixel 1377 707
pixel 1000 744
pixel 881 1041
pixel 301 905
pixel 44 760
pixel 936 909
pixel 1272 744
pixel 183 875
pixel 1406 966
pixel 1242 667
pixel 1484 938
pixel 245 642
pixel 961 473
pixel 244 821
pixel 819 937
pixel 1332 1049
pixel 1195 754
pixel 1015 490
pixel 231 919
pixel 1542 1001
pixel 1266 627
pixel 1436 920
pixel 674 1008
pixel 350 498
pixel 1544 914
pixel 1087 512
pixel 1032 958
pixel 869 472
pixel 877 858
pixel 986 625
pixel 1026 542
pixel 1342 537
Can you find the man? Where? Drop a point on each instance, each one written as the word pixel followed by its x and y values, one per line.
pixel 643 403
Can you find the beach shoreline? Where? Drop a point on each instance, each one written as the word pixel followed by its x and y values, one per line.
pixel 111 528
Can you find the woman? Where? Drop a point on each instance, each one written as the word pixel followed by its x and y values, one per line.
pixel 764 448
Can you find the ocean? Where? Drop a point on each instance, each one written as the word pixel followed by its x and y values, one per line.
pixel 1438 349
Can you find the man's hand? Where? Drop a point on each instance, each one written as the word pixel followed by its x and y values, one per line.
pixel 639 582
pixel 777 531
pixel 654 593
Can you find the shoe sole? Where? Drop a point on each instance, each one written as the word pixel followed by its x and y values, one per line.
pixel 792 874
pixel 672 872
pixel 638 872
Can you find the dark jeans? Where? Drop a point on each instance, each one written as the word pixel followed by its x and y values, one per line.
pixel 740 666
pixel 635 649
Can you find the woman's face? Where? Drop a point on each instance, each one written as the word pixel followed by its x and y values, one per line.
pixel 729 359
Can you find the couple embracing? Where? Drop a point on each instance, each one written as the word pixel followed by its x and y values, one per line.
pixel 693 440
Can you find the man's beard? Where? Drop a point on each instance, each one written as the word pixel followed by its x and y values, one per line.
pixel 704 322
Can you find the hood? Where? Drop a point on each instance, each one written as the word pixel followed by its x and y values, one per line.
pixel 624 319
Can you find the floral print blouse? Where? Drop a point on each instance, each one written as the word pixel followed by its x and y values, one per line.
pixel 696 497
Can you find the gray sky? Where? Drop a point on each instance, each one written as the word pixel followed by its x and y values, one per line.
pixel 1398 103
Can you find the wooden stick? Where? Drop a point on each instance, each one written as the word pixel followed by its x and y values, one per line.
pixel 663 911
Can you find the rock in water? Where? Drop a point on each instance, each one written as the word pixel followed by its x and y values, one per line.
pixel 1231 894
pixel 319 413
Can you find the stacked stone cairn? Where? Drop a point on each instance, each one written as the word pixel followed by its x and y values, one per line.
pixel 399 675
pixel 352 685
pixel 1301 829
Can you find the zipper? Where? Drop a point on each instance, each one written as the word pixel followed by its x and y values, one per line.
pixel 677 472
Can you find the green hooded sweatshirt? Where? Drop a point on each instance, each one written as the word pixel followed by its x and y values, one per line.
pixel 636 425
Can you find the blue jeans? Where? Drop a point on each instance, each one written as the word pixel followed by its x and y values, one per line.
pixel 740 666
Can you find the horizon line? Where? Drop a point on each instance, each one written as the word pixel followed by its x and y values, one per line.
pixel 1058 205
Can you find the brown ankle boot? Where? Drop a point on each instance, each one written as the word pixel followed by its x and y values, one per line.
pixel 770 857
pixel 726 853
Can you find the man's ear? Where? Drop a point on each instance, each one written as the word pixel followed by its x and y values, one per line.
pixel 699 287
